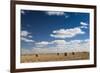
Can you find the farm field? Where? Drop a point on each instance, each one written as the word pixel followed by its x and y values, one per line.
pixel 28 58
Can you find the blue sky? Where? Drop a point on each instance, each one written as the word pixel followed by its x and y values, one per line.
pixel 52 29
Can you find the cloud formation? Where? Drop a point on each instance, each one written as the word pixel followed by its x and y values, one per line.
pixel 57 13
pixel 26 36
pixel 26 39
pixel 24 33
pixel 83 23
pixel 58 42
pixel 60 46
pixel 41 44
pixel 66 33
pixel 84 27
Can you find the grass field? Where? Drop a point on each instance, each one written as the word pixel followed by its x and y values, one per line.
pixel 28 58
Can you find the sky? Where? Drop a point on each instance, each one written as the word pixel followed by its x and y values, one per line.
pixel 54 31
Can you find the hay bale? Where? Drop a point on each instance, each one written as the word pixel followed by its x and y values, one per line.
pixel 65 54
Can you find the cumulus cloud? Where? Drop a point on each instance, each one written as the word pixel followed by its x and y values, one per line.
pixel 41 44
pixel 26 36
pixel 83 23
pixel 30 36
pixel 24 33
pixel 60 46
pixel 26 40
pixel 84 27
pixel 76 41
pixel 59 42
pixel 57 13
pixel 79 47
pixel 73 45
pixel 54 43
pixel 66 33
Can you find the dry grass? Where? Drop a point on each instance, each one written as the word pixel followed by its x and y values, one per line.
pixel 27 58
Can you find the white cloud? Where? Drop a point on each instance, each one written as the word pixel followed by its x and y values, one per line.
pixel 24 33
pixel 45 43
pixel 66 33
pixel 86 40
pixel 26 40
pixel 66 46
pixel 83 23
pixel 26 36
pixel 83 27
pixel 79 47
pixel 57 13
pixel 30 36
pixel 61 46
pixel 41 44
pixel 75 41
pixel 59 42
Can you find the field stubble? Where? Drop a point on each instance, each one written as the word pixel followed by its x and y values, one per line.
pixel 28 58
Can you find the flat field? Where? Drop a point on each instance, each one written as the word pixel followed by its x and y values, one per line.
pixel 28 58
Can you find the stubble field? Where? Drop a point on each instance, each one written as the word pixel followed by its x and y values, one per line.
pixel 28 58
